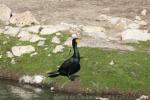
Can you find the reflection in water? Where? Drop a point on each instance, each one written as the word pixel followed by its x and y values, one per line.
pixel 13 91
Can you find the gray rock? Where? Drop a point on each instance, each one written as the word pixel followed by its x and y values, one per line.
pixel 58 48
pixel 58 33
pixel 32 29
pixel 135 34
pixel 5 13
pixel 33 54
pixel 26 36
pixel 36 38
pixel 11 31
pixel 41 43
pixel 23 19
pixel 50 29
pixel 13 61
pixel 9 54
pixel 134 26
pixel 36 79
pixel 144 12
pixel 1 56
pixel 1 30
pixel 20 50
pixel 56 40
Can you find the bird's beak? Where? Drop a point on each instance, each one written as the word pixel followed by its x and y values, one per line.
pixel 78 41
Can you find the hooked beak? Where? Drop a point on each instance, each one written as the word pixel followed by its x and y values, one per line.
pixel 78 40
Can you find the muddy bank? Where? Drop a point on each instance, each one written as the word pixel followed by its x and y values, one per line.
pixel 75 88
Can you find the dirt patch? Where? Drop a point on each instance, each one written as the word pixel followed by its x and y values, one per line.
pixel 79 11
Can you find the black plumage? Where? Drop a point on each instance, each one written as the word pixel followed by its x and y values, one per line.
pixel 70 66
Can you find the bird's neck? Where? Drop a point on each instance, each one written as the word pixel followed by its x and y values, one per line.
pixel 76 52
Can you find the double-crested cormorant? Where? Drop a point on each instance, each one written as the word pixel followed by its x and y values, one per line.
pixel 71 65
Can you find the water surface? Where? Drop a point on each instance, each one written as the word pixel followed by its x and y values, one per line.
pixel 13 91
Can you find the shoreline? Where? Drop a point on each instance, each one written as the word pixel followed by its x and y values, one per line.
pixel 57 89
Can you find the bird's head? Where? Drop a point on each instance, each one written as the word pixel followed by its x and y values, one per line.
pixel 75 41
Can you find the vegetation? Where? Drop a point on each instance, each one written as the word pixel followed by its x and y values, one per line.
pixel 130 71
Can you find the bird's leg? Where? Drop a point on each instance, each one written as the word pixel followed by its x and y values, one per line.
pixel 72 77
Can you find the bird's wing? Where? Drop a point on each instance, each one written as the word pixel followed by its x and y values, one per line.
pixel 66 64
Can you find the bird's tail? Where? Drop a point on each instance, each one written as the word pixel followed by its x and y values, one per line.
pixel 53 74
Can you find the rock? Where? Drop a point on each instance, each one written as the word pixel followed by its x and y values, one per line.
pixel 23 19
pixel 45 48
pixel 13 61
pixel 11 31
pixel 50 29
pixel 26 36
pixel 49 55
pixel 100 98
pixel 58 48
pixel 52 88
pixel 37 79
pixel 1 30
pixel 68 42
pixel 1 56
pixel 36 38
pixel 5 13
pixel 138 18
pixel 20 50
pixel 135 34
pixel 143 97
pixel 58 33
pixel 93 31
pixel 103 17
pixel 144 12
pixel 25 79
pixel 143 23
pixel 114 20
pixel 133 26
pixel 33 54
pixel 121 25
pixel 9 54
pixel 56 40
pixel 33 29
pixel 111 63
pixel 41 43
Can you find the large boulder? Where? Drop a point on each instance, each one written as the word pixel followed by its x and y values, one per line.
pixel 135 34
pixel 20 50
pixel 5 13
pixel 23 19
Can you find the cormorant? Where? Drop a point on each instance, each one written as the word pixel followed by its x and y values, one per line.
pixel 71 65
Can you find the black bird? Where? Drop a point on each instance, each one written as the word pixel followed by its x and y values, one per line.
pixel 71 65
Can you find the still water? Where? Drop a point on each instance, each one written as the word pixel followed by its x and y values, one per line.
pixel 13 91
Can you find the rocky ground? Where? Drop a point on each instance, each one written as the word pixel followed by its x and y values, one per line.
pixel 78 11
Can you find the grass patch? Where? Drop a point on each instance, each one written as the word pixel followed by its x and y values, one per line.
pixel 130 71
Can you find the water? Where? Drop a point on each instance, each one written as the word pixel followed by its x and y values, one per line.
pixel 13 91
